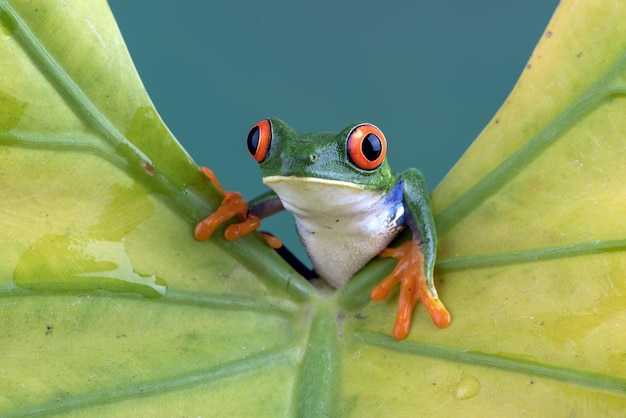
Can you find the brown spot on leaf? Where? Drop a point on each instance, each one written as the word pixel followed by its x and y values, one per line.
pixel 148 168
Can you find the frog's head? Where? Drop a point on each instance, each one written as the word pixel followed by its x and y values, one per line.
pixel 355 156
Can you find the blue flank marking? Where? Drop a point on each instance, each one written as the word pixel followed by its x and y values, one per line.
pixel 396 214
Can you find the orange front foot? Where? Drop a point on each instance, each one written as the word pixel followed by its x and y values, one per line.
pixel 414 286
pixel 233 204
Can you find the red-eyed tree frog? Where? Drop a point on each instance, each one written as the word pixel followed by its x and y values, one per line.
pixel 348 207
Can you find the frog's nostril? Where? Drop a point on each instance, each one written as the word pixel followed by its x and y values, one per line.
pixel 312 157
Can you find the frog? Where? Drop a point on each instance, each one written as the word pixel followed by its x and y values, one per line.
pixel 348 207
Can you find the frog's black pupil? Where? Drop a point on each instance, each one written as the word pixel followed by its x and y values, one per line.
pixel 253 139
pixel 371 147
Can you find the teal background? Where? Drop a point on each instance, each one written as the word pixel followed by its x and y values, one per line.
pixel 429 74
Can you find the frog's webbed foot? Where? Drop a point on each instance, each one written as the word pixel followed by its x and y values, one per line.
pixel 233 204
pixel 414 286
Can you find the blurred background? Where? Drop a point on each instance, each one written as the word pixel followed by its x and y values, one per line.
pixel 429 74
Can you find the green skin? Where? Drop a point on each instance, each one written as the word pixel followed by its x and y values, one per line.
pixel 323 156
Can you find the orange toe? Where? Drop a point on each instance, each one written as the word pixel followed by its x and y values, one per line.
pixel 232 205
pixel 414 287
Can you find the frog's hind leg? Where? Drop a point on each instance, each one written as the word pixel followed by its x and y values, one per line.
pixel 289 257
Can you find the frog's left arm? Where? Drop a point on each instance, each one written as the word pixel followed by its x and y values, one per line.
pixel 266 204
pixel 416 259
pixel 419 218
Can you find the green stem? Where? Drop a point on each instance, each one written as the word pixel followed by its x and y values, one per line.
pixel 317 385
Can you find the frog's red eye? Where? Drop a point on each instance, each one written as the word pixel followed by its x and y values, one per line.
pixel 366 146
pixel 259 139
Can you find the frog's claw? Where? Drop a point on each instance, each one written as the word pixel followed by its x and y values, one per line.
pixel 414 286
pixel 233 204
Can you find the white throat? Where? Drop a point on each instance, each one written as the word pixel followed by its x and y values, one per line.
pixel 342 225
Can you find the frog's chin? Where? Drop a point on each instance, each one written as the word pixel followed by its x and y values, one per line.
pixel 300 181
pixel 312 194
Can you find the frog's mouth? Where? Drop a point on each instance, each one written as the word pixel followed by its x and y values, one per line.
pixel 310 194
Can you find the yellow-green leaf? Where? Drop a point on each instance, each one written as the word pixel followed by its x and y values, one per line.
pixel 110 307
